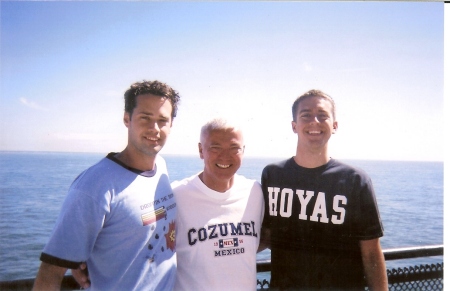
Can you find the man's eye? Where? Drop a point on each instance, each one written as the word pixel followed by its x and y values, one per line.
pixel 236 150
pixel 215 149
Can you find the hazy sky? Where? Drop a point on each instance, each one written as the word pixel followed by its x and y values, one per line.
pixel 66 65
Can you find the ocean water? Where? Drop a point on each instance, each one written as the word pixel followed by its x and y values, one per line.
pixel 34 184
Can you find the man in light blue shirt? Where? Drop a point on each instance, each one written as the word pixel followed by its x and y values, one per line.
pixel 119 215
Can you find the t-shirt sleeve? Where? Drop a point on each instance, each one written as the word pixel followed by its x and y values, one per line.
pixel 59 262
pixel 370 225
pixel 259 191
pixel 76 230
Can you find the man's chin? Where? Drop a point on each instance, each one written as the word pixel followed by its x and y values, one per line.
pixel 152 152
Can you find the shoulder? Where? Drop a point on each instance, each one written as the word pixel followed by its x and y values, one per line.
pixel 278 165
pixel 347 170
pixel 106 174
pixel 179 185
pixel 239 179
pixel 101 169
pixel 95 182
pixel 344 166
pixel 246 183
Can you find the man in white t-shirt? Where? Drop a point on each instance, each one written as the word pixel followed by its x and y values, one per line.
pixel 219 216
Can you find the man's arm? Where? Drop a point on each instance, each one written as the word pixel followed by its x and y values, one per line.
pixel 49 277
pixel 264 241
pixel 374 264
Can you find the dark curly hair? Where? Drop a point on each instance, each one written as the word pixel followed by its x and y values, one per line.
pixel 151 87
pixel 313 93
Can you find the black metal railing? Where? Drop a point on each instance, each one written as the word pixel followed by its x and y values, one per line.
pixel 422 277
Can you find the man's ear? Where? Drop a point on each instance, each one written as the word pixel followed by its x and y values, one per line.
pixel 335 127
pixel 200 150
pixel 126 119
pixel 294 126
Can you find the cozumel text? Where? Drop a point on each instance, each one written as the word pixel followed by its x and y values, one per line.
pixel 221 230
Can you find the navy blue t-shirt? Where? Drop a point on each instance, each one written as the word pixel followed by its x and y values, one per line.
pixel 317 218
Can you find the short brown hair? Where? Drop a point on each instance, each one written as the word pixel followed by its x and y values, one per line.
pixel 151 87
pixel 313 93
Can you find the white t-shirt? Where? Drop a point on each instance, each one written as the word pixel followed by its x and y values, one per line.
pixel 217 234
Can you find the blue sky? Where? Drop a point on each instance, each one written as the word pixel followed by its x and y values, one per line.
pixel 66 65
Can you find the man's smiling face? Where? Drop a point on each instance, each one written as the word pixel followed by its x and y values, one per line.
pixel 149 125
pixel 314 123
pixel 222 152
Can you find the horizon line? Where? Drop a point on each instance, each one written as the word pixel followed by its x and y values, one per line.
pixel 246 156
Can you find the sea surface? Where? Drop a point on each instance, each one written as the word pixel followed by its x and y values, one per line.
pixel 34 184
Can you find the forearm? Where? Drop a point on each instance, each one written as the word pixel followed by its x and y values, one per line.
pixel 376 276
pixel 374 265
pixel 49 278
pixel 264 241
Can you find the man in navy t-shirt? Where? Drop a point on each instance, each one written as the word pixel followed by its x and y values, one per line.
pixel 321 217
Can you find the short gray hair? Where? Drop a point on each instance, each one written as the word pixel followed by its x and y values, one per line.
pixel 217 124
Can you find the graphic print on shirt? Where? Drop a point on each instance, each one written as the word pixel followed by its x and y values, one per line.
pixel 227 238
pixel 161 227
pixel 170 237
pixel 281 201
pixel 154 215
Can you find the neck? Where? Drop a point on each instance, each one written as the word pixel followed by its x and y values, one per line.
pixel 216 184
pixel 311 158
pixel 139 162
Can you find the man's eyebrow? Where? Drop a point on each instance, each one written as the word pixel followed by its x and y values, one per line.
pixel 309 110
pixel 236 145
pixel 151 114
pixel 145 113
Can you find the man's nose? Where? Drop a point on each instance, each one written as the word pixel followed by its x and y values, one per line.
pixel 314 119
pixel 154 126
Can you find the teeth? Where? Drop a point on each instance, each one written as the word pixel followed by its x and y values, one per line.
pixel 152 138
pixel 223 166
pixel 314 132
